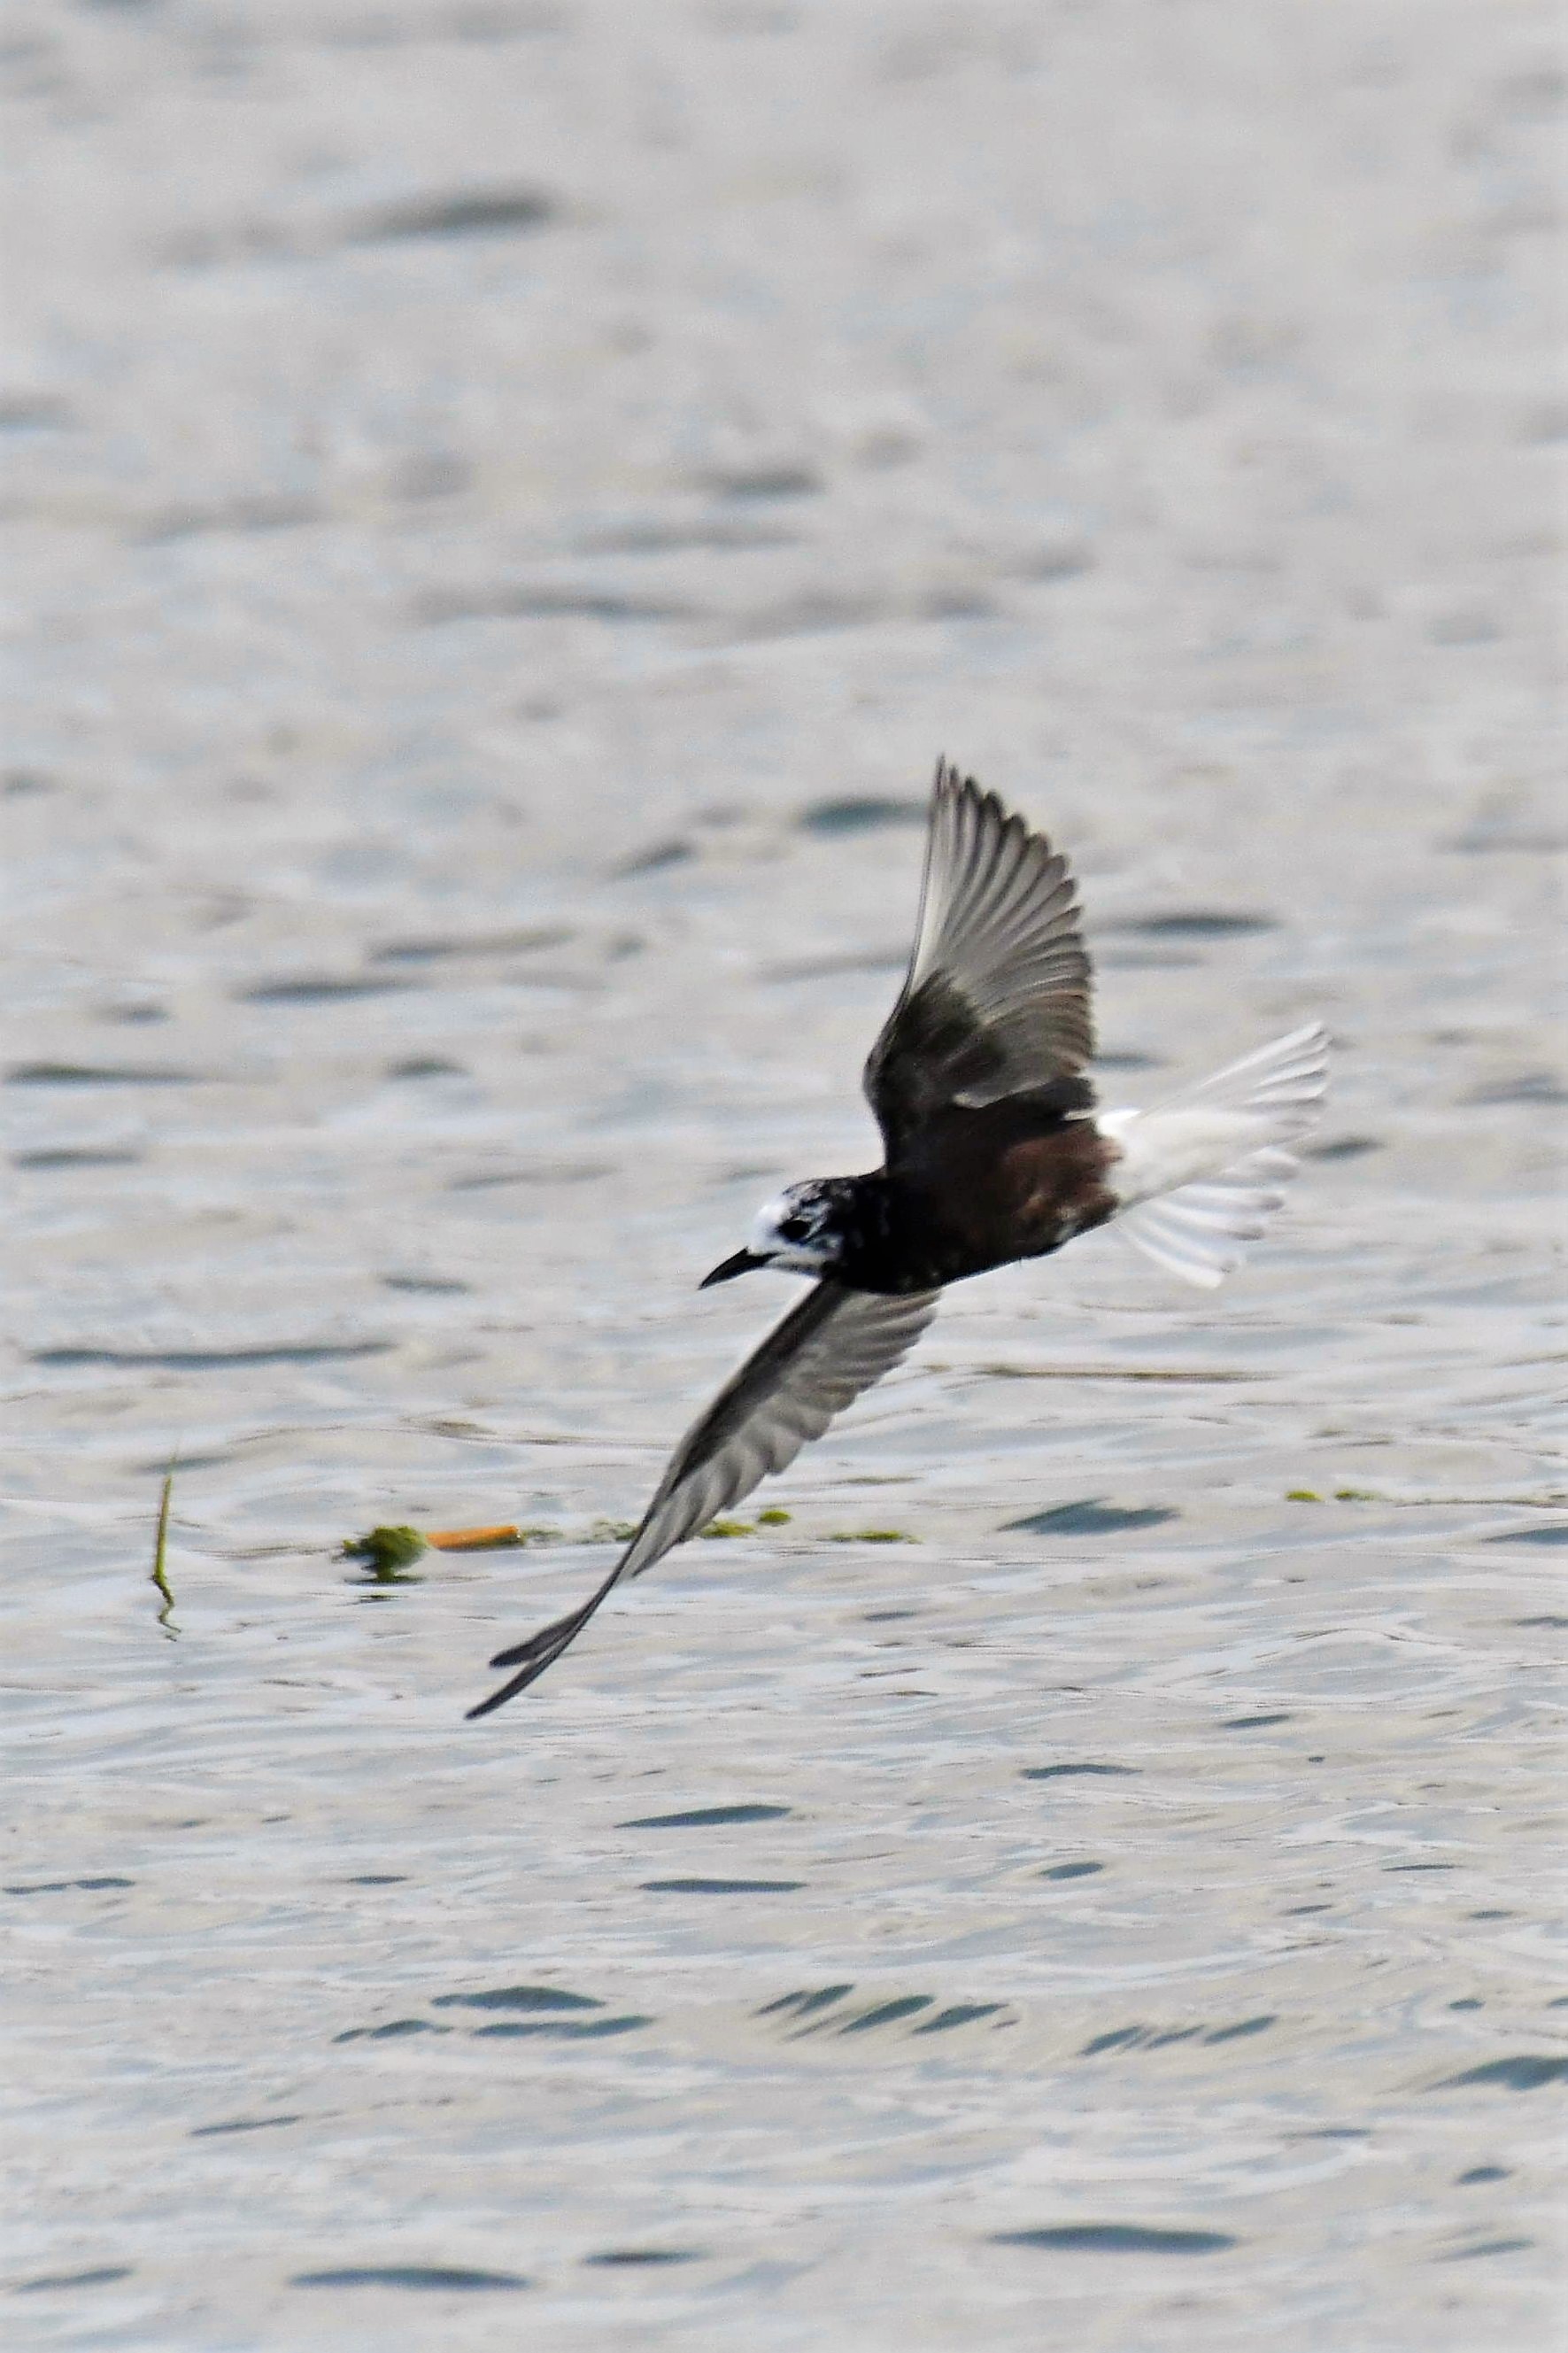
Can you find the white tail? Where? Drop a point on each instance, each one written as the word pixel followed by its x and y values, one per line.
pixel 1199 1175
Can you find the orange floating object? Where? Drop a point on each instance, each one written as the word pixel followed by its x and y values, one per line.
pixel 471 1539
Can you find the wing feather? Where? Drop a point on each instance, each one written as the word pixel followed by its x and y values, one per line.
pixel 831 1345
pixel 997 999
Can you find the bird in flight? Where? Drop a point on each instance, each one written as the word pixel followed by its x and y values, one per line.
pixel 994 1152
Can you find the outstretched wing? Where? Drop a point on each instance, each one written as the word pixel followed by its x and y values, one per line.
pixel 828 1348
pixel 996 1001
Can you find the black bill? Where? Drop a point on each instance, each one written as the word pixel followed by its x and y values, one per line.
pixel 741 1263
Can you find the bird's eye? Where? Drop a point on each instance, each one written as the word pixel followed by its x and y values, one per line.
pixel 793 1229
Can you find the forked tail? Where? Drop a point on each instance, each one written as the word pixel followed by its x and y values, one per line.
pixel 1199 1175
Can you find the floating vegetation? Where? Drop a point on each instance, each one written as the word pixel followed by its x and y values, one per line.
pixel 388 1551
pixel 159 1560
pixel 385 1552
pixel 873 1536
pixel 1340 1495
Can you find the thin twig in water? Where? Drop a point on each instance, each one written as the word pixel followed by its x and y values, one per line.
pixel 159 1551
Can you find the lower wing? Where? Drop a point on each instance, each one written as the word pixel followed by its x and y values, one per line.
pixel 829 1347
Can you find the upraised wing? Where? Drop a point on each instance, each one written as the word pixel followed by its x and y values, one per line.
pixel 828 1348
pixel 997 1001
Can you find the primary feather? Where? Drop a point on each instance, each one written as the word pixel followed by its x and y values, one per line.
pixel 832 1344
pixel 997 999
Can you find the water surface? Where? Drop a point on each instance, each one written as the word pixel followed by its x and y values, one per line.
pixel 505 506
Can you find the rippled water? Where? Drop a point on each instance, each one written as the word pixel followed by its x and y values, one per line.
pixel 506 504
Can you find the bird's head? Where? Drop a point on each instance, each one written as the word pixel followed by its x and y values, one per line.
pixel 801 1232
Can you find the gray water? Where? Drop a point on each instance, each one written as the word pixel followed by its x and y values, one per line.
pixel 505 504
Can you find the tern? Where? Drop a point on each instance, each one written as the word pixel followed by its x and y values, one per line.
pixel 994 1152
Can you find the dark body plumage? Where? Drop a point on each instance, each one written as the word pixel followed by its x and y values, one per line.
pixel 977 1079
pixel 972 1190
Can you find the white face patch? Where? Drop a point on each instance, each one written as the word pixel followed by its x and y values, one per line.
pixel 802 1248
